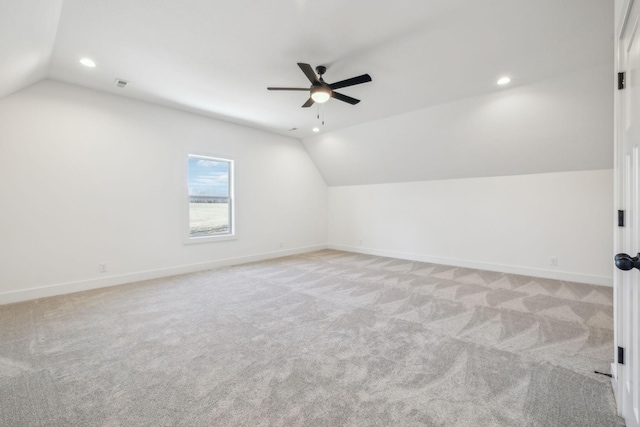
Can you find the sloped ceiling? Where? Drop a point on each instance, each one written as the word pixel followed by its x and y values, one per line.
pixel 560 124
pixel 27 36
pixel 216 58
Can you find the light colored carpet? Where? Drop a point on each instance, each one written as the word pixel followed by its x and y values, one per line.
pixel 322 339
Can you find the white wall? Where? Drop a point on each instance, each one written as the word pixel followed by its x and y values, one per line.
pixel 510 224
pixel 502 181
pixel 87 177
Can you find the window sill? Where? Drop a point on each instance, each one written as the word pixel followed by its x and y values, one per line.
pixel 210 239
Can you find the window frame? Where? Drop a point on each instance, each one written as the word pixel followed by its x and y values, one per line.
pixel 218 237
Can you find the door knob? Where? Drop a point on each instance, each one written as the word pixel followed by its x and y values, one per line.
pixel 625 262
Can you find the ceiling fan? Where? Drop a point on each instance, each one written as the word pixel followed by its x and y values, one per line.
pixel 321 91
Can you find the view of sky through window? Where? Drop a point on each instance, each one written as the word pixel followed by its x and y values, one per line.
pixel 208 177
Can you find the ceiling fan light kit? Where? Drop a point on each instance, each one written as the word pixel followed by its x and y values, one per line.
pixel 320 94
pixel 321 91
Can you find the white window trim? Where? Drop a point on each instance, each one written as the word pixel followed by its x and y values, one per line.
pixel 232 234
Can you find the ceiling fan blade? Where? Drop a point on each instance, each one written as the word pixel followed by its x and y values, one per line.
pixel 351 82
pixel 288 88
pixel 309 103
pixel 308 71
pixel 344 98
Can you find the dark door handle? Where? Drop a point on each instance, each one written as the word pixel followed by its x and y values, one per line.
pixel 625 262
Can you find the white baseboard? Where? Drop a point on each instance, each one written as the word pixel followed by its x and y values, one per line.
pixel 102 282
pixel 85 285
pixel 525 271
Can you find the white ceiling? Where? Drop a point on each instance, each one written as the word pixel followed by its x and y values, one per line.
pixel 216 58
pixel 27 34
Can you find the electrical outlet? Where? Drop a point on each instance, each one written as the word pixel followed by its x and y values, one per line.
pixel 102 267
pixel 281 244
pixel 360 242
pixel 553 262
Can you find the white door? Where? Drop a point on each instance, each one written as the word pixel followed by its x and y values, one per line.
pixel 626 375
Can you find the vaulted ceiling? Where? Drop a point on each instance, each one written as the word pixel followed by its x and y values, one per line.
pixel 216 58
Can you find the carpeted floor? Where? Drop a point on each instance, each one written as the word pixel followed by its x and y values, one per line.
pixel 322 339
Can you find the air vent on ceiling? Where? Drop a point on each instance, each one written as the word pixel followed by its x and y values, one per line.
pixel 121 83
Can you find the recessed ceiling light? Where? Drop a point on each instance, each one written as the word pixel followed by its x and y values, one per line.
pixel 316 129
pixel 87 62
pixel 503 81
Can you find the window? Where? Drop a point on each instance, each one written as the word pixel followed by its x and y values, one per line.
pixel 210 183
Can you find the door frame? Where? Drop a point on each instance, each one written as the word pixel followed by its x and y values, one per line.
pixel 621 201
